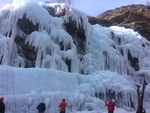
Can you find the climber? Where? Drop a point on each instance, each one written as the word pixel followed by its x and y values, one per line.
pixel 110 106
pixel 63 12
pixel 62 106
pixel 2 105
pixel 41 107
pixel 112 34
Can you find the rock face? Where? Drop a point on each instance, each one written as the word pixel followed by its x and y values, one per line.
pixel 136 17
pixel 29 54
pixel 100 21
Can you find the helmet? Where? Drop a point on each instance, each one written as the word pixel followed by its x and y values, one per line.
pixel 1 98
pixel 42 102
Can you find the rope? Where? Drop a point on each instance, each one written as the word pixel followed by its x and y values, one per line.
pixel 7 87
pixel 13 89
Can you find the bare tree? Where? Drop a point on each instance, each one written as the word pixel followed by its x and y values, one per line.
pixel 69 2
pixel 147 3
pixel 140 97
pixel 140 88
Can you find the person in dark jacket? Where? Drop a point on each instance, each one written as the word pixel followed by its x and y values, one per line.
pixel 2 105
pixel 111 106
pixel 112 34
pixel 41 107
pixel 62 106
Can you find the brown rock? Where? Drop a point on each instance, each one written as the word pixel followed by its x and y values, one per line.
pixel 136 17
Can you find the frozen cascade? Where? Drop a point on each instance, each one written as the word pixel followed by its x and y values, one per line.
pixel 53 29
pixel 105 62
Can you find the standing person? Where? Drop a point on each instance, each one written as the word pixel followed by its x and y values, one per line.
pixel 111 106
pixel 41 107
pixel 62 106
pixel 2 105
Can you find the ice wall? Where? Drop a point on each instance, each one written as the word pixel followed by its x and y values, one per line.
pixel 55 48
pixel 47 40
pixel 24 88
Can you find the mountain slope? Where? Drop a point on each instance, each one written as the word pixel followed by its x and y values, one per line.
pixel 136 17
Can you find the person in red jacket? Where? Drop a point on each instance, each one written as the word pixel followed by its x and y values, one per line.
pixel 63 11
pixel 62 106
pixel 111 106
